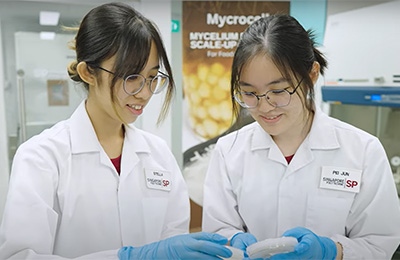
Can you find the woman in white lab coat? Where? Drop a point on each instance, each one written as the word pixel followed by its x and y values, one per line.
pixel 296 171
pixel 94 186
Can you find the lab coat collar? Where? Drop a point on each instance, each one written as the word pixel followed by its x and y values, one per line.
pixel 83 137
pixel 262 140
pixel 322 136
pixel 135 140
pixel 134 143
pixel 84 140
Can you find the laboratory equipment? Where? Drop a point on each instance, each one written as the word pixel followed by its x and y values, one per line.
pixel 362 82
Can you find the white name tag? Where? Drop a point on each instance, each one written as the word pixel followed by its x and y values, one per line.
pixel 337 178
pixel 158 179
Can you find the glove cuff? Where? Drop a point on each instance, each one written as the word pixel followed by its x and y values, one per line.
pixel 148 251
pixel 234 236
pixel 124 253
pixel 330 250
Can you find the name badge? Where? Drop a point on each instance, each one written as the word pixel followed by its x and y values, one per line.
pixel 337 178
pixel 158 179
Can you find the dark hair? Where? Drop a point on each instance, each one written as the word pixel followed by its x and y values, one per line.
pixel 118 29
pixel 291 48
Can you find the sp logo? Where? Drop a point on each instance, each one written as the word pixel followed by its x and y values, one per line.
pixel 165 183
pixel 351 184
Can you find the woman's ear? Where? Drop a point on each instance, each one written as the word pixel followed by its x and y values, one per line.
pixel 314 73
pixel 85 74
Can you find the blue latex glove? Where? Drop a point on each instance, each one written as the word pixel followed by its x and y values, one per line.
pixel 200 245
pixel 310 246
pixel 242 241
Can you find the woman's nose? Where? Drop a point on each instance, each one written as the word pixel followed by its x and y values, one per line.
pixel 264 104
pixel 145 92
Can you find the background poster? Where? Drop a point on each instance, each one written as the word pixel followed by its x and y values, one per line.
pixel 210 32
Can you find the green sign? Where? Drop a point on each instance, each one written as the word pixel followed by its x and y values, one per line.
pixel 175 25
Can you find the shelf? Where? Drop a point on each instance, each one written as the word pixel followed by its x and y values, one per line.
pixel 368 96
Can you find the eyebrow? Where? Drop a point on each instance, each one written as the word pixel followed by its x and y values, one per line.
pixel 280 80
pixel 156 67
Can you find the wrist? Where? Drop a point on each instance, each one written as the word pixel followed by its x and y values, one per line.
pixel 339 249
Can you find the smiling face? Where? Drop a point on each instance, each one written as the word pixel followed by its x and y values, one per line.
pixel 260 75
pixel 127 107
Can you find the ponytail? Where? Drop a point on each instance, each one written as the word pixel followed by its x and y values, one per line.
pixel 319 57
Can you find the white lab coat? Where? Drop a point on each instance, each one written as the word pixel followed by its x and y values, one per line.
pixel 250 187
pixel 66 198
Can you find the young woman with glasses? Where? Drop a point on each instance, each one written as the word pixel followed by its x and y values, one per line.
pixel 94 186
pixel 296 171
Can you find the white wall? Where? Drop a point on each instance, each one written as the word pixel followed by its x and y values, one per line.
pixel 339 6
pixel 366 34
pixel 4 164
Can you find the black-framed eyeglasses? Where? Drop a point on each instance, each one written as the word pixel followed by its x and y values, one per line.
pixel 275 97
pixel 134 83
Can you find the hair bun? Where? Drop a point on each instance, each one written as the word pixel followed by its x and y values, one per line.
pixel 72 72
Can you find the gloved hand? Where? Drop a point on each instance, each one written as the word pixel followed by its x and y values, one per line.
pixel 310 246
pixel 242 241
pixel 200 245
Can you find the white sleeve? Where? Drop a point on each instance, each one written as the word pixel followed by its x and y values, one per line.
pixel 220 207
pixel 373 224
pixel 29 254
pixel 29 222
pixel 178 211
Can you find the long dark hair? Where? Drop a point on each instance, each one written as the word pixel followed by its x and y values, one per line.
pixel 288 44
pixel 118 29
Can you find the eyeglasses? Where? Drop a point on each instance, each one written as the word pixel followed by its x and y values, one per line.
pixel 134 83
pixel 275 97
